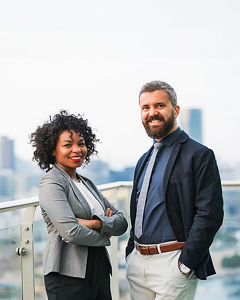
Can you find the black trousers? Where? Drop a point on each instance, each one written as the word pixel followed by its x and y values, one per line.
pixel 95 285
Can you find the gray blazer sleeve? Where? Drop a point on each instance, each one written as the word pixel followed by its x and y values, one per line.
pixel 58 214
pixel 115 225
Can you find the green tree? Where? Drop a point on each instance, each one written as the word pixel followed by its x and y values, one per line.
pixel 231 262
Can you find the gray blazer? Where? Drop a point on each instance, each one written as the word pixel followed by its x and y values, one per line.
pixel 61 203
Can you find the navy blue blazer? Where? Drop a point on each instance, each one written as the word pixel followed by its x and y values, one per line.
pixel 194 202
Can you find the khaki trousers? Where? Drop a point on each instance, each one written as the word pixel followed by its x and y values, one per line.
pixel 158 277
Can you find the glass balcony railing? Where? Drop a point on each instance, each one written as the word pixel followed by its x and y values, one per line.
pixel 23 237
pixel 10 275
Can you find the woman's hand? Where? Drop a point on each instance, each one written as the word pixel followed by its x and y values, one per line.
pixel 96 223
pixel 92 224
pixel 109 212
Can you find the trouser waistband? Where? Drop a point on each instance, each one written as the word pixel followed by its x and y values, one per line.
pixel 159 248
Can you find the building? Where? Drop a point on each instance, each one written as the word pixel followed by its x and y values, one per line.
pixel 191 122
pixel 7 155
pixel 7 185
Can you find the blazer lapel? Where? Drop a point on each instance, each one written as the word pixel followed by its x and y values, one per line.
pixel 170 164
pixel 171 161
pixel 76 191
pixel 139 169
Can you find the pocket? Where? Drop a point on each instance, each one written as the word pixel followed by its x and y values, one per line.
pixel 192 273
pixel 176 270
pixel 192 276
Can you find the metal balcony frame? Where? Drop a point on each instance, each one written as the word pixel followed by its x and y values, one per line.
pixel 26 249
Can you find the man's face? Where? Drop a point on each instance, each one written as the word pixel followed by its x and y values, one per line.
pixel 158 115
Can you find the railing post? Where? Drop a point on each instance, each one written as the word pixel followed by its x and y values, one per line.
pixel 27 254
pixel 114 262
pixel 114 256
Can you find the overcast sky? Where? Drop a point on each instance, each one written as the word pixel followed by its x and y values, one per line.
pixel 92 57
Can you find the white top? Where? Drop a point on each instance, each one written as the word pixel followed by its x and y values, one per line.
pixel 96 207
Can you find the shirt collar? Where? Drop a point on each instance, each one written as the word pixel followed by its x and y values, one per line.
pixel 171 138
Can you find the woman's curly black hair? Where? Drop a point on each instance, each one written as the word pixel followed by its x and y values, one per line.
pixel 45 138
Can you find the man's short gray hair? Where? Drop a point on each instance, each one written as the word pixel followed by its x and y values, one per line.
pixel 160 85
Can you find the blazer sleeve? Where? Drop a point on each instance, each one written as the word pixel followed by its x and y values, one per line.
pixel 208 209
pixel 53 200
pixel 114 225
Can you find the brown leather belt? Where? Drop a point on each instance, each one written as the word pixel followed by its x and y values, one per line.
pixel 154 249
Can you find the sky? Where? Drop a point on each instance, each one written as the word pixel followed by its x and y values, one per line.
pixel 92 57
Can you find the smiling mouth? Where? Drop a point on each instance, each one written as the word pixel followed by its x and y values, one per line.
pixel 156 120
pixel 153 122
pixel 76 158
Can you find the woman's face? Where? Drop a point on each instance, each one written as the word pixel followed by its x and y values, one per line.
pixel 70 151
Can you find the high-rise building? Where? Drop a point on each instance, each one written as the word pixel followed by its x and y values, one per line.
pixel 7 185
pixel 7 155
pixel 191 122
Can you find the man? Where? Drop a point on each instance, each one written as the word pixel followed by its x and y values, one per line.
pixel 176 207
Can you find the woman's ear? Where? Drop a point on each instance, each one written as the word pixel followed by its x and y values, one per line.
pixel 54 153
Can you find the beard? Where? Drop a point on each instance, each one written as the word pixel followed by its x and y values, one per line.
pixel 159 131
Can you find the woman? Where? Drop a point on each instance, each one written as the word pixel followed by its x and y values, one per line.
pixel 80 221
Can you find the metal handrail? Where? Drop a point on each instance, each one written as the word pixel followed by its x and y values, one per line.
pixel 230 183
pixel 18 204
pixel 33 201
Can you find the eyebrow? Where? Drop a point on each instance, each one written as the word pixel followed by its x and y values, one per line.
pixel 81 140
pixel 160 102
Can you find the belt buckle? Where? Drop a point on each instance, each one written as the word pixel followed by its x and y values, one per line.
pixel 138 247
pixel 159 249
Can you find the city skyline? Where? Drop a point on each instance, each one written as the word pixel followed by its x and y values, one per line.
pixel 102 156
pixel 94 60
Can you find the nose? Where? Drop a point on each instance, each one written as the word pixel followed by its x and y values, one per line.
pixel 152 111
pixel 76 148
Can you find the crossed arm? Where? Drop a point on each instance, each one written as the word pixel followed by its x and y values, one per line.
pixel 95 223
pixel 61 219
